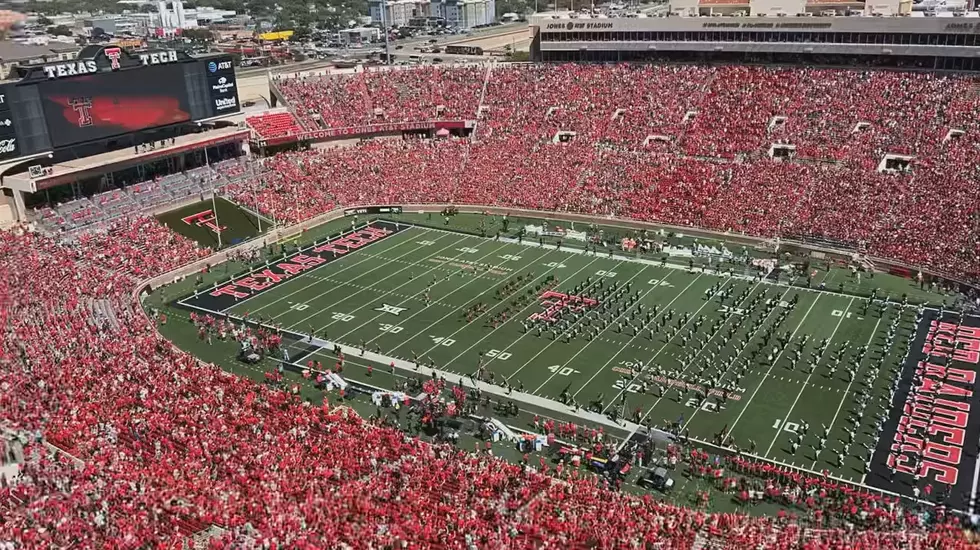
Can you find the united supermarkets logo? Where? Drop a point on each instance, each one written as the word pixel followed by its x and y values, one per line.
pixel 221 103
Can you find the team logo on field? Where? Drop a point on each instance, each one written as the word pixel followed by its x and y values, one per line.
pixel 394 310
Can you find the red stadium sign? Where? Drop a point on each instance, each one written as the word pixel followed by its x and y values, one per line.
pixel 361 131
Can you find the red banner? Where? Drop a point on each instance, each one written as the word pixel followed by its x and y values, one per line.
pixel 371 129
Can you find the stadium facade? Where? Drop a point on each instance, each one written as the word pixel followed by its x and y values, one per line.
pixel 821 34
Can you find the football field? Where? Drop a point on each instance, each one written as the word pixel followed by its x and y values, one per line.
pixel 726 357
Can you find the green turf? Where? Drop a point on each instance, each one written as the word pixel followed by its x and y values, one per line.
pixel 239 225
pixel 342 302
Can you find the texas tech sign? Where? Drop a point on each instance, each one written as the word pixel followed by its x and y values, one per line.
pixel 115 57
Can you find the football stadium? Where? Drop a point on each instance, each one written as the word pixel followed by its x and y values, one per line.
pixel 701 280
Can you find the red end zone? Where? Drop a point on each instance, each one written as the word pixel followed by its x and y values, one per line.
pixel 931 440
pixel 246 285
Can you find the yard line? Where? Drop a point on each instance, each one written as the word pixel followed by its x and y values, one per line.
pixel 807 381
pixel 557 336
pixel 434 323
pixel 848 389
pixel 739 354
pixel 370 286
pixel 774 361
pixel 590 342
pixel 659 351
pixel 666 343
pixel 477 277
pixel 316 282
pixel 502 325
pixel 260 308
pixel 659 399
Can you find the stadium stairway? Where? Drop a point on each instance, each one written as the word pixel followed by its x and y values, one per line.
pixel 7 218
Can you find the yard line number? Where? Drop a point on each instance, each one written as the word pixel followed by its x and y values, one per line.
pixel 496 353
pixel 562 371
pixel 440 341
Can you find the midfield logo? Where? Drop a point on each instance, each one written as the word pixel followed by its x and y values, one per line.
pixel 394 310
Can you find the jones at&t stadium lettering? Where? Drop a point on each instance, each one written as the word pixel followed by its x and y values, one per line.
pixel 260 280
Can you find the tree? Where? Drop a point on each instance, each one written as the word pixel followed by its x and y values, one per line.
pixel 60 30
pixel 200 34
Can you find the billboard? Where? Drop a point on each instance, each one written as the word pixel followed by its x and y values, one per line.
pixel 222 86
pixel 9 147
pixel 100 106
pixel 278 35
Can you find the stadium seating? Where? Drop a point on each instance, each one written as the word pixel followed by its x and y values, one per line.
pixel 86 214
pixel 275 125
pixel 166 447
pixel 682 145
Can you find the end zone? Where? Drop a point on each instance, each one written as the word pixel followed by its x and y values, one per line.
pixel 244 286
pixel 929 444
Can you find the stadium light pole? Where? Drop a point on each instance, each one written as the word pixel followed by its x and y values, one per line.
pixel 255 197
pixel 214 208
pixel 384 29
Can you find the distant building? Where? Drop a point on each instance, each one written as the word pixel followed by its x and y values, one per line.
pixel 13 54
pixel 398 13
pixel 465 14
pixel 359 35
pixel 171 15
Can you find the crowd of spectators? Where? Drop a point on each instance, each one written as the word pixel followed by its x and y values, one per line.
pixel 163 446
pixel 682 145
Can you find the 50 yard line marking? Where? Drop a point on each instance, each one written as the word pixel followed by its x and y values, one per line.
pixel 662 348
pixel 739 354
pixel 807 381
pixel 659 399
pixel 551 343
pixel 630 341
pixel 345 268
pixel 698 354
pixel 502 325
pixel 768 372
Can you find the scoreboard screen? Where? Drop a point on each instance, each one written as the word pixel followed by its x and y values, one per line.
pixel 107 92
pixel 100 106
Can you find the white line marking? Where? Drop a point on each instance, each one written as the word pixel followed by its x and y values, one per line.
pixel 516 315
pixel 345 268
pixel 803 387
pixel 776 360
